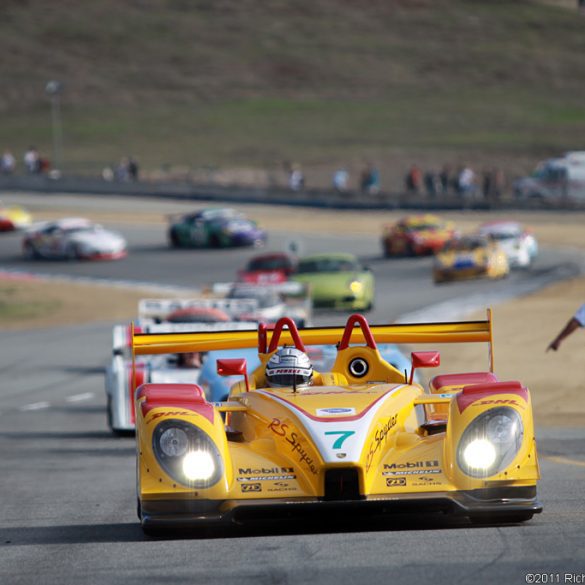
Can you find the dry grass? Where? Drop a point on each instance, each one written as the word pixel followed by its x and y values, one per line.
pixel 228 83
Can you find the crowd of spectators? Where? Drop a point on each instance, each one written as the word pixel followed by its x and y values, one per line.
pixel 33 162
pixel 463 182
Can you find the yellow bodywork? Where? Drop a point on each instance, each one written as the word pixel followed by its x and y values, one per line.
pixel 16 216
pixel 281 444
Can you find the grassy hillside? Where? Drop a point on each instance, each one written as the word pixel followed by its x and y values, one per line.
pixel 242 83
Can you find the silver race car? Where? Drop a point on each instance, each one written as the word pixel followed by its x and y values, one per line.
pixel 72 238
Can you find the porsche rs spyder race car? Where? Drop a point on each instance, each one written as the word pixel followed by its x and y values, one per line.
pixel 417 235
pixel 13 218
pixel 72 238
pixel 214 228
pixel 470 257
pixel 362 438
pixel 519 245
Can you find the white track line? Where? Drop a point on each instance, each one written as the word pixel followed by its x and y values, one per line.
pixel 34 406
pixel 80 397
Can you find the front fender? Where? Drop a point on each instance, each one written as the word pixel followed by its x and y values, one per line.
pixel 467 406
pixel 157 403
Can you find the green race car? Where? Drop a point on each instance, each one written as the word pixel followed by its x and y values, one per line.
pixel 214 228
pixel 338 281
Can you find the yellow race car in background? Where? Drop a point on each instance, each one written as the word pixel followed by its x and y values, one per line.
pixel 473 256
pixel 13 218
pixel 363 438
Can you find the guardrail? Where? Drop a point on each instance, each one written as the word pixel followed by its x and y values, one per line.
pixel 272 196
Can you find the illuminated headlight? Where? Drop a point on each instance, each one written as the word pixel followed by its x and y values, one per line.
pixel 490 442
pixel 356 287
pixel 198 466
pixel 187 453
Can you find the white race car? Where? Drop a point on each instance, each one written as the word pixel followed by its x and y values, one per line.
pixel 164 316
pixel 72 238
pixel 520 245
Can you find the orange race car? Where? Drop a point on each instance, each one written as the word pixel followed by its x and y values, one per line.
pixel 416 235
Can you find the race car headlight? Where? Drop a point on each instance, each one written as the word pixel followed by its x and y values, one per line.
pixel 356 287
pixel 198 465
pixel 174 442
pixel 490 442
pixel 186 453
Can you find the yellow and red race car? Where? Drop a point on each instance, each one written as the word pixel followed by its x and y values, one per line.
pixel 13 218
pixel 417 235
pixel 473 256
pixel 362 438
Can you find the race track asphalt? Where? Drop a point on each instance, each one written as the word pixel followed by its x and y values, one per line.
pixel 67 494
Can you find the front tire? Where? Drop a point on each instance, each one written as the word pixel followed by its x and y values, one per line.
pixel 174 240
pixel 30 252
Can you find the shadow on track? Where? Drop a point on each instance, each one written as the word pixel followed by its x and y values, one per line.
pixel 71 534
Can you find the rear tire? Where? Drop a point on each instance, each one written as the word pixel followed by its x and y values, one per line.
pixel 71 252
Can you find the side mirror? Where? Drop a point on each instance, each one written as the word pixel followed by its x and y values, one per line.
pixel 233 367
pixel 424 359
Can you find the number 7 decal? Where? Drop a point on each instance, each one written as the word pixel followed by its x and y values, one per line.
pixel 343 435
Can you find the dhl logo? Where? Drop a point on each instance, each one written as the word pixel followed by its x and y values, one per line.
pixel 167 413
pixel 504 401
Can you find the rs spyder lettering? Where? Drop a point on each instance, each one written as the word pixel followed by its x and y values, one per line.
pixel 379 438
pixel 282 430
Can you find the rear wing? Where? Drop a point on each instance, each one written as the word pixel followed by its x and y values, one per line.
pixel 268 339
pixel 161 308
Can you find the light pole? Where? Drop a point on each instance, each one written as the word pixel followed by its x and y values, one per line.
pixel 53 90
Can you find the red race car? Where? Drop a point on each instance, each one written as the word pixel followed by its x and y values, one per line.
pixel 271 268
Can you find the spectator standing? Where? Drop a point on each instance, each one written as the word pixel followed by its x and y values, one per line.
pixel 413 180
pixel 121 173
pixel 32 161
pixel 370 180
pixel 487 184
pixel 432 185
pixel 7 163
pixel 466 182
pixel 499 184
pixel 340 180
pixel 444 179
pixel 296 179
pixel 132 169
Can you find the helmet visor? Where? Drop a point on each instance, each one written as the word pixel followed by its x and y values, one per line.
pixel 296 378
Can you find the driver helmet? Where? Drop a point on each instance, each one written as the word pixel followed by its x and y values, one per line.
pixel 289 366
